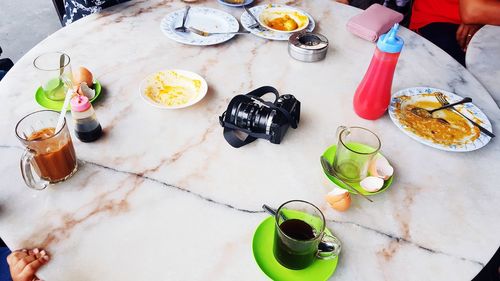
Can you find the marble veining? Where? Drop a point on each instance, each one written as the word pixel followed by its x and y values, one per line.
pixel 162 196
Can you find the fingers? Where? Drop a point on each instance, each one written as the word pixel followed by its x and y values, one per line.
pixel 31 268
pixel 461 35
pixel 22 263
pixel 16 256
pixel 473 29
pixel 25 263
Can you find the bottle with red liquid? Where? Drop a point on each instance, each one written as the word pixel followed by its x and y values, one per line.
pixel 373 94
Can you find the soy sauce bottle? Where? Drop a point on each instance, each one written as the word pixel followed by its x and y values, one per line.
pixel 87 128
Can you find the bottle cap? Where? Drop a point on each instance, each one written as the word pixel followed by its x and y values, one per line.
pixel 79 103
pixel 390 42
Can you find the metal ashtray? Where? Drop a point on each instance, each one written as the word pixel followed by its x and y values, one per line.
pixel 307 46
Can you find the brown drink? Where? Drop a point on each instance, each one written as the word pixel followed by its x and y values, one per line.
pixel 50 154
pixel 58 161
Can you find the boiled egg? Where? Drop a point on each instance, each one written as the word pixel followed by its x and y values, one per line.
pixel 85 90
pixel 81 75
pixel 380 167
pixel 339 199
pixel 372 184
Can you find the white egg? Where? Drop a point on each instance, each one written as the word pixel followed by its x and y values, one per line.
pixel 85 90
pixel 380 167
pixel 372 184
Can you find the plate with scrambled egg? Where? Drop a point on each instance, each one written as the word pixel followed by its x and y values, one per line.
pixel 173 89
pixel 446 129
pixel 280 21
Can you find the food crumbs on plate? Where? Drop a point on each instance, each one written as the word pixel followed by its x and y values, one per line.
pixel 457 131
pixel 170 88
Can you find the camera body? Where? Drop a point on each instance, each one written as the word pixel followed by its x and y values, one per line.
pixel 259 118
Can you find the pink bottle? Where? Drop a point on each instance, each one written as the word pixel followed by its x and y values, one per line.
pixel 373 94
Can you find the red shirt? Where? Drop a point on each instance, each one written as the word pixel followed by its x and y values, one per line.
pixel 429 11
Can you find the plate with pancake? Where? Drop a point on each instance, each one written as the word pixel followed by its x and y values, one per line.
pixel 446 129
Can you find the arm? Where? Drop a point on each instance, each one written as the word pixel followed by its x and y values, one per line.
pixel 480 11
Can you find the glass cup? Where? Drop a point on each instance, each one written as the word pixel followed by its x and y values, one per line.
pixel 356 148
pixel 54 73
pixel 51 154
pixel 299 236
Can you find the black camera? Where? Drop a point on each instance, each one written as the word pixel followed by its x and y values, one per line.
pixel 258 118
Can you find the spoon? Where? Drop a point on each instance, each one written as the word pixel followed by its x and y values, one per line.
pixel 324 246
pixel 272 211
pixel 330 171
pixel 183 28
pixel 422 112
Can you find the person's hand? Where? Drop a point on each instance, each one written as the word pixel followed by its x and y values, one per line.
pixel 465 33
pixel 24 264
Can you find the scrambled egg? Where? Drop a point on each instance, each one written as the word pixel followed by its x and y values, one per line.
pixel 169 88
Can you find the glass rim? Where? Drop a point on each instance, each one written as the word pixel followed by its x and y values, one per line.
pixel 358 152
pixel 318 235
pixel 39 140
pixel 48 53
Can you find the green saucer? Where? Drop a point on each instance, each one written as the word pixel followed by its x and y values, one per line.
pixel 329 154
pixel 262 245
pixel 42 99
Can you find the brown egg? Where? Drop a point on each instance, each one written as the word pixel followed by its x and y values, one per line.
pixel 339 199
pixel 81 75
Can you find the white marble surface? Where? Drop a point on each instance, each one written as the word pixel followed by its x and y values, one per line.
pixel 483 59
pixel 163 197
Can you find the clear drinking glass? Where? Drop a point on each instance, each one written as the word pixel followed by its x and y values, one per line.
pixel 300 236
pixel 356 148
pixel 53 70
pixel 51 154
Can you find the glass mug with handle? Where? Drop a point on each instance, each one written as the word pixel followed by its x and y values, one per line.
pixel 51 154
pixel 355 149
pixel 300 235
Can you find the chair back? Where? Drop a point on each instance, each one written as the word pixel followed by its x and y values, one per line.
pixel 59 5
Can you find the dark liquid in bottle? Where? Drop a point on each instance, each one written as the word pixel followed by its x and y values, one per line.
pixel 89 136
pixel 295 254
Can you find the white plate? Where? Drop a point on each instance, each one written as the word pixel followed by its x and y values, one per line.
pixel 246 21
pixel 200 95
pixel 246 2
pixel 206 19
pixel 468 109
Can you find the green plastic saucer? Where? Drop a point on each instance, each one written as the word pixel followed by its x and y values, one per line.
pixel 263 240
pixel 42 99
pixel 329 154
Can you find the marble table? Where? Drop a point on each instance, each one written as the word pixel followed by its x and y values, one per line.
pixel 163 197
pixel 483 59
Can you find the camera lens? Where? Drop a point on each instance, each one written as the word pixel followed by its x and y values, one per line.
pixel 251 116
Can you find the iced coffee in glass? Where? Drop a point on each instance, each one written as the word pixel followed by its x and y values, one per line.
pixel 49 153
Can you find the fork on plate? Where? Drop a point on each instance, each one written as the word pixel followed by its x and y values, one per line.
pixel 206 34
pixel 442 100
pixel 256 24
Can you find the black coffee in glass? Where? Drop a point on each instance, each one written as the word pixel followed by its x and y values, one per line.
pixel 294 244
